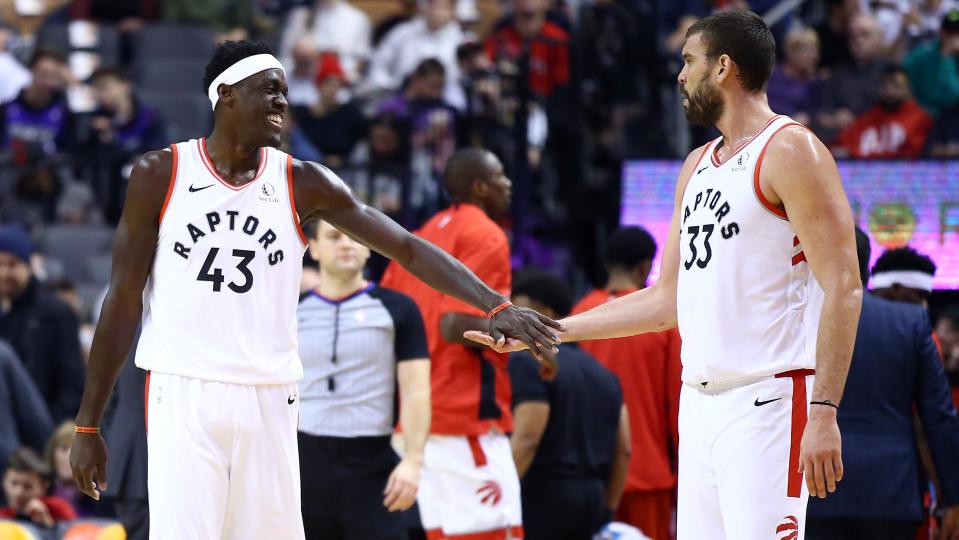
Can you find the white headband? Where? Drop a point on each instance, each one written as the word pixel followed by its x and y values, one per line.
pixel 251 65
pixel 913 279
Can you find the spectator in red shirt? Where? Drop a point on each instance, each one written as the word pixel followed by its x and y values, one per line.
pixel 895 127
pixel 548 46
pixel 649 371
pixel 469 484
pixel 25 484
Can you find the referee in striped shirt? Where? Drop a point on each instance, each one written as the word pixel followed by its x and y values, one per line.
pixel 358 343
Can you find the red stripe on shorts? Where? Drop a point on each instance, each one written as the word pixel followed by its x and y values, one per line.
pixel 479 457
pixel 515 532
pixel 794 484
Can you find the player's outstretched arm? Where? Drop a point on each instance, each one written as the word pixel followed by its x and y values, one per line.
pixel 133 249
pixel 319 193
pixel 800 173
pixel 648 310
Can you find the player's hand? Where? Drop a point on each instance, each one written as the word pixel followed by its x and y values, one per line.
pixel 949 530
pixel 537 331
pixel 401 488
pixel 88 459
pixel 820 455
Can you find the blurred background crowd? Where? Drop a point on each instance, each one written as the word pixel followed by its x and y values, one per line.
pixel 564 92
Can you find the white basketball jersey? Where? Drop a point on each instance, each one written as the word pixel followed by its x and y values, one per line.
pixel 748 305
pixel 220 303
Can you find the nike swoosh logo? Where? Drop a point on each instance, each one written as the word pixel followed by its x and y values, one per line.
pixel 291 399
pixel 761 403
pixel 703 169
pixel 194 190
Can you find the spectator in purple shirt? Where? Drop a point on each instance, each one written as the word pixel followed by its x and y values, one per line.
pixel 39 115
pixel 793 86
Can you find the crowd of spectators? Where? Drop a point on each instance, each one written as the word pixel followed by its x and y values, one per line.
pixel 563 91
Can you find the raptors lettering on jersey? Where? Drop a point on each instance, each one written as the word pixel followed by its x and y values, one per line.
pixel 213 220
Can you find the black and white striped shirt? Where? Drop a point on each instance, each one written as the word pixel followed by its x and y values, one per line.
pixel 349 349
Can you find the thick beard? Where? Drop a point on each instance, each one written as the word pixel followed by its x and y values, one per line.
pixel 705 105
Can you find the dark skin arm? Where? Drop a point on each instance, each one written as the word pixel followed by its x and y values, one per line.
pixel 320 193
pixel 133 250
pixel 454 325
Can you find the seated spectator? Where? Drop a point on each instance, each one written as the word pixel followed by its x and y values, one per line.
pixel 434 34
pixel 932 68
pixel 895 378
pixel 380 167
pixel 432 128
pixel 41 328
pixel 852 87
pixel 570 437
pixel 924 20
pixel 24 417
pixel 336 26
pixel 794 83
pixel 26 483
pixel 40 114
pixel 547 42
pixel 301 74
pixel 122 128
pixel 32 182
pixel 833 33
pixel 895 127
pixel 331 126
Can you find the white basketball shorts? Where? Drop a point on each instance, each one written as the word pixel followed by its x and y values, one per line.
pixel 739 460
pixel 469 489
pixel 223 462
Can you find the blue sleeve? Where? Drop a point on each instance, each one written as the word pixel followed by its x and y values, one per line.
pixel 409 342
pixel 525 380
pixel 937 412
pixel 34 424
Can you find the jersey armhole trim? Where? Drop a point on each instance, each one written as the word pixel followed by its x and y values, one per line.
pixel 289 192
pixel 777 211
pixel 699 161
pixel 170 186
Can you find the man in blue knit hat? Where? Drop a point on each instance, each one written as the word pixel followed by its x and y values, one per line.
pixel 42 329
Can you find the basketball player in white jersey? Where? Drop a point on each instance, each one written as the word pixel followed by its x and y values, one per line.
pixel 209 253
pixel 760 274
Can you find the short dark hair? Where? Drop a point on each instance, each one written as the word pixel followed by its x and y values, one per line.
pixel 546 289
pixel 629 246
pixel 864 251
pixel 904 258
pixel 430 66
pixel 46 53
pixel 112 72
pixel 743 36
pixel 25 460
pixel 229 53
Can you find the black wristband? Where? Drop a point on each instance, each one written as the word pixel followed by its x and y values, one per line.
pixel 825 402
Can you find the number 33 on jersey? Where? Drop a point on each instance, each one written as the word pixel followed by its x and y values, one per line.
pixel 226 272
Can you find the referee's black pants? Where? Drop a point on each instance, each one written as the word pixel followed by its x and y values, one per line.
pixel 342 482
pixel 563 508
